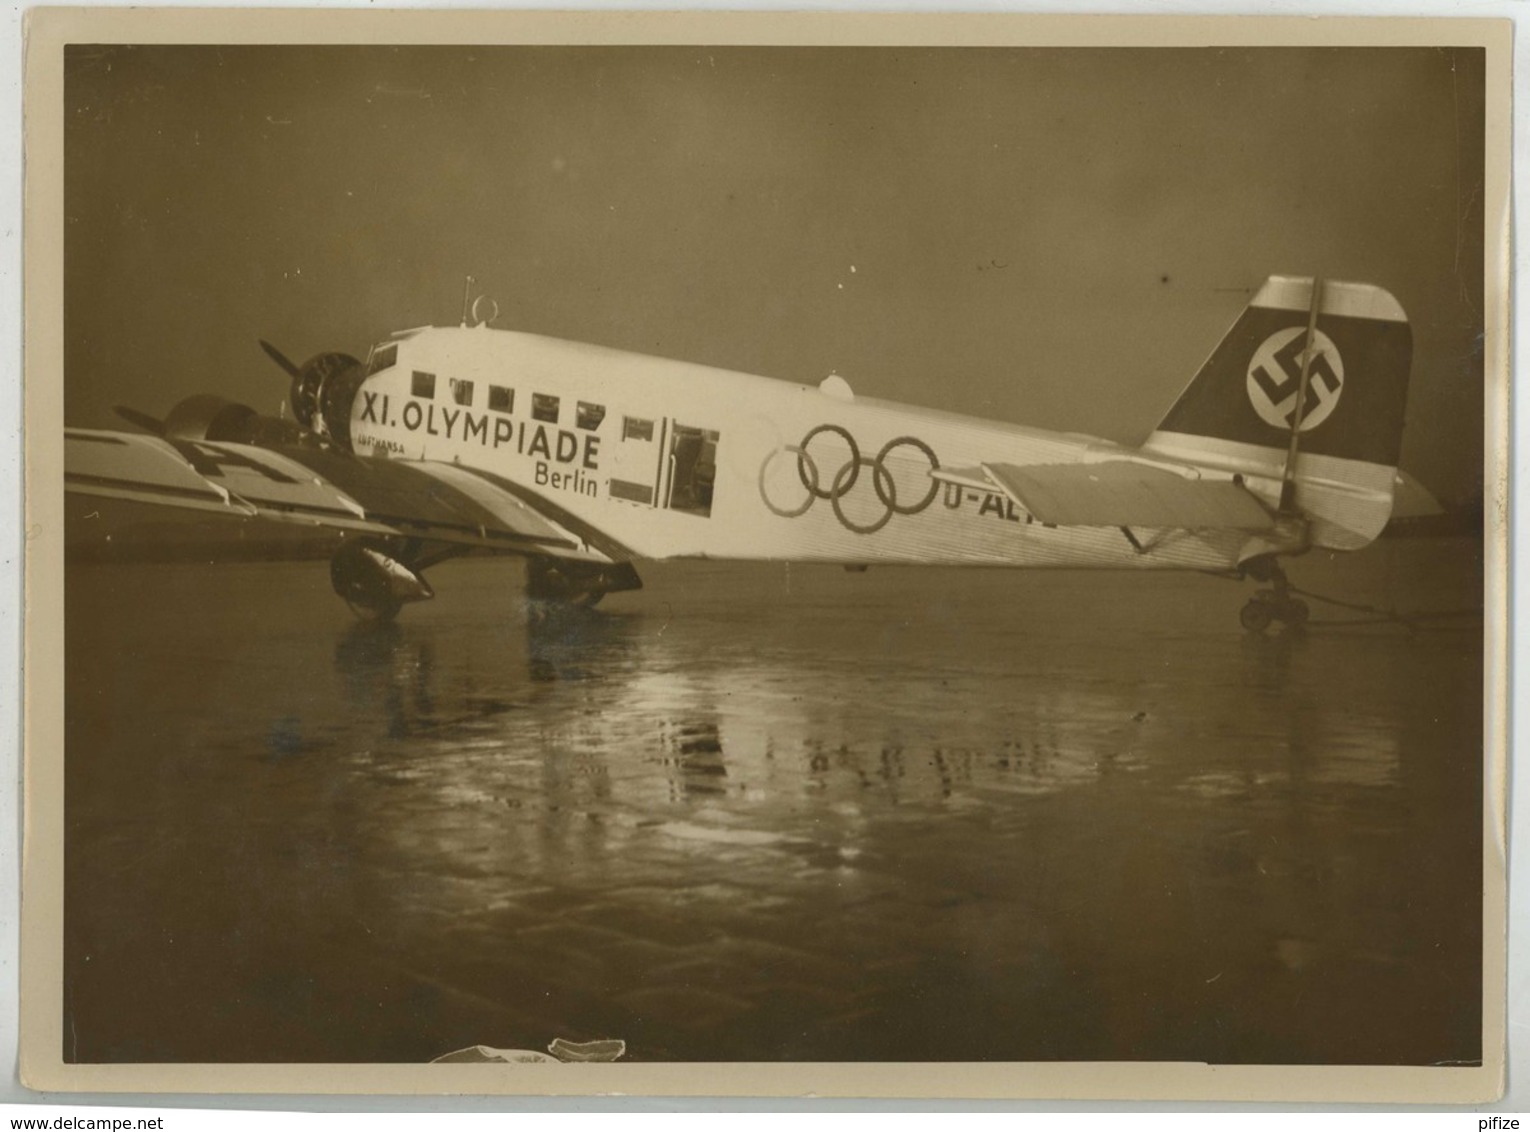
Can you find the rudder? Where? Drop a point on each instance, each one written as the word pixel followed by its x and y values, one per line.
pixel 1238 411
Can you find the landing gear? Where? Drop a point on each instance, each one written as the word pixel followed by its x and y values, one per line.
pixel 1257 615
pixel 373 582
pixel 572 583
pixel 1274 604
pixel 1264 607
pixel 378 577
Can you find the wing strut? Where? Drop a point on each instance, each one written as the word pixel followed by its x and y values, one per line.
pixel 1288 479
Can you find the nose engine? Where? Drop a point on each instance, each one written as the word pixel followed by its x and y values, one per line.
pixel 322 391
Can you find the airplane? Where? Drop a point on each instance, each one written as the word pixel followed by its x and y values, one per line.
pixel 584 460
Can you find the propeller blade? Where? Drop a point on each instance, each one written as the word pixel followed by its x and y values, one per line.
pixel 142 420
pixel 280 359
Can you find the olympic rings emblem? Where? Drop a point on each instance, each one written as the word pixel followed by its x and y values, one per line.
pixel 843 481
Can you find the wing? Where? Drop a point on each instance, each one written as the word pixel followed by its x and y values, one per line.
pixel 1117 493
pixel 316 487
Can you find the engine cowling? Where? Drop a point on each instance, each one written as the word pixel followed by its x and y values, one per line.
pixel 206 416
pixel 323 390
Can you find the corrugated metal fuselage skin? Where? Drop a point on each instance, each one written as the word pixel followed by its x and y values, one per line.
pixel 628 444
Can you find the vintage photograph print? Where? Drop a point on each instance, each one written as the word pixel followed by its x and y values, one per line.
pixel 716 551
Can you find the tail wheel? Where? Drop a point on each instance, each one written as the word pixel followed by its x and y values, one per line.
pixel 1256 615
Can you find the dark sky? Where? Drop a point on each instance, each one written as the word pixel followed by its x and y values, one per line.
pixel 1056 237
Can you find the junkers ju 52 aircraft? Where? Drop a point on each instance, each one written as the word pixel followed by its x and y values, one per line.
pixel 469 439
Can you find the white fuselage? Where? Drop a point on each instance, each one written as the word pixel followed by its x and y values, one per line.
pixel 675 460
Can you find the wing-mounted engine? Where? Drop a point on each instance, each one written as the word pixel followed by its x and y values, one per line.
pixel 397 518
pixel 321 393
pixel 205 416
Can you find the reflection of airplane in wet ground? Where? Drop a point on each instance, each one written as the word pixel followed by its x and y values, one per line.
pixel 449 441
pixel 387 672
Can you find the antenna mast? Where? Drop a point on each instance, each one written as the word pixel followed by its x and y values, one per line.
pixel 467 292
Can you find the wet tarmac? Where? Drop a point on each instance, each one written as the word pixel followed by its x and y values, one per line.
pixel 765 813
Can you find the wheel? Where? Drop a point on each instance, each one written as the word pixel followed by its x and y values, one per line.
pixel 1295 613
pixel 553 586
pixel 578 584
pixel 374 583
pixel 1256 615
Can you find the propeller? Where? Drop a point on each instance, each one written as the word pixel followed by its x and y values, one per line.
pixel 280 359
pixel 307 392
pixel 152 425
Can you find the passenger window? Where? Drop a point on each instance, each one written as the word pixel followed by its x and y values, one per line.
pixel 424 384
pixel 589 416
pixel 544 407
pixel 462 392
pixel 501 400
pixel 634 428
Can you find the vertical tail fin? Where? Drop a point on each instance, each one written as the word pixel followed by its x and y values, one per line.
pixel 1240 410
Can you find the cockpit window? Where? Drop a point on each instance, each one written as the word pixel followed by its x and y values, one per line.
pixel 382 358
pixel 423 384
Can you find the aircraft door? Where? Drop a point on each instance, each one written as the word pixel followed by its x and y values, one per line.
pixel 692 469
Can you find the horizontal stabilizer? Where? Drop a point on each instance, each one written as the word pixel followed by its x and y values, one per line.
pixel 1120 493
pixel 965 477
